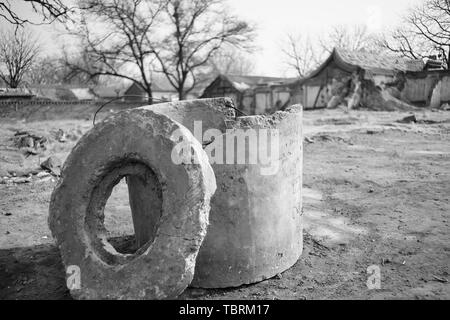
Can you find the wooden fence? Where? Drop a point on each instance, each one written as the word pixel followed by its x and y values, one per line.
pixel 430 88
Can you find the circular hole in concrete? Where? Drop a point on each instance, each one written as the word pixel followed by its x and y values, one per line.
pixel 119 221
pixel 124 211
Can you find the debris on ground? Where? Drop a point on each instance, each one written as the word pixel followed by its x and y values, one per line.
pixel 43 174
pixel 30 143
pixel 46 172
pixel 20 180
pixel 41 177
pixel 16 165
pixel 326 138
pixel 26 172
pixel 442 280
pixel 52 165
pixel 408 119
pixel 445 107
pixel 60 136
pixel 64 136
pixel 308 140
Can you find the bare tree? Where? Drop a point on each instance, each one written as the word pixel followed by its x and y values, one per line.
pixel 192 32
pixel 131 39
pixel 405 43
pixel 353 38
pixel 117 39
pixel 232 62
pixel 48 10
pixel 54 69
pixel 45 70
pixel 80 67
pixel 18 50
pixel 299 54
pixel 426 29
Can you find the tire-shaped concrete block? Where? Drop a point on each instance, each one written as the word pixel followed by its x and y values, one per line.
pixel 136 144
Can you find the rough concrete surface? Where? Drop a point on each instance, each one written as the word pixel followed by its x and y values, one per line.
pixel 255 229
pixel 136 144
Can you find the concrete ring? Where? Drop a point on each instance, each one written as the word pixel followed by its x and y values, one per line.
pixel 137 144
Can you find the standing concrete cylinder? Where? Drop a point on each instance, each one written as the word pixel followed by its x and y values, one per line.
pixel 255 229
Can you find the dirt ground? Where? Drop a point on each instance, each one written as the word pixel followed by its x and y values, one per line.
pixel 376 192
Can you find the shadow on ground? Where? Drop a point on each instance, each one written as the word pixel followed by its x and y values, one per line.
pixel 37 273
pixel 32 273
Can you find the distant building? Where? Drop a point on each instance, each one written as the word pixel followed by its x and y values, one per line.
pixel 427 88
pixel 48 92
pixel 162 91
pixel 251 94
pixel 85 94
pixel 62 92
pixel 107 93
pixel 271 97
pixel 135 93
pixel 432 63
pixel 19 93
pixel 336 73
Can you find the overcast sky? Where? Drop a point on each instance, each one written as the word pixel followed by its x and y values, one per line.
pixel 275 18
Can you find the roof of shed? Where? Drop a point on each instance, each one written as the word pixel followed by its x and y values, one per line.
pixel 83 93
pixel 242 83
pixel 159 84
pixel 108 91
pixel 375 62
pixel 53 92
pixel 18 92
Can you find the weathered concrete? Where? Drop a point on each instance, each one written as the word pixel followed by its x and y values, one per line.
pixel 136 144
pixel 255 229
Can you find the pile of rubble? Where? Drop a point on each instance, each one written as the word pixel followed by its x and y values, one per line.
pixel 26 144
pixel 47 171
pixel 355 92
pixel 29 143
